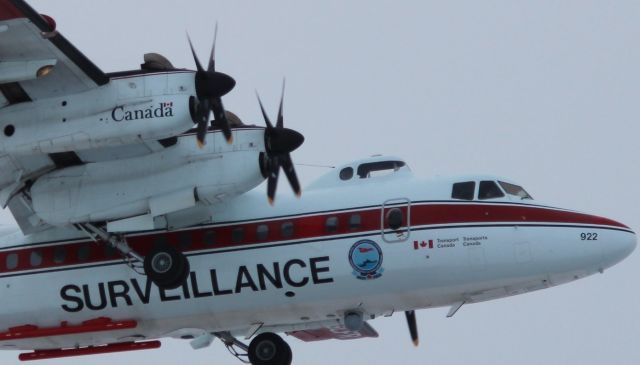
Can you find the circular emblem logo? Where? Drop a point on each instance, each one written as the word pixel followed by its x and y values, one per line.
pixel 365 257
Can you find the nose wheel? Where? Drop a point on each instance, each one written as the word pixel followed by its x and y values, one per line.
pixel 269 349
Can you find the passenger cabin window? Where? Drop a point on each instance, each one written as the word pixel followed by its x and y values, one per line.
pixel 262 232
pixel 237 235
pixel 83 252
pixel 209 238
pixel 36 258
pixel 463 190
pixel 515 190
pixel 331 225
pixel 287 229
pixel 60 253
pixel 381 168
pixel 394 218
pixel 354 222
pixel 489 190
pixel 12 261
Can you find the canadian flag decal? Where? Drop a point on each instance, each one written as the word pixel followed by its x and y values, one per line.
pixel 422 244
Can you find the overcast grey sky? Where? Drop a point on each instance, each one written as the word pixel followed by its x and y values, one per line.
pixel 543 92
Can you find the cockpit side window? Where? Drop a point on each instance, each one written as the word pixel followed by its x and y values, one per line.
pixel 489 190
pixel 346 173
pixel 380 168
pixel 463 190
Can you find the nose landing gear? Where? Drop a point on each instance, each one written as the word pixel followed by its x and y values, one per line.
pixel 265 349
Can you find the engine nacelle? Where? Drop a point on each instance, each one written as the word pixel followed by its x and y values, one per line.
pixel 125 111
pixel 154 185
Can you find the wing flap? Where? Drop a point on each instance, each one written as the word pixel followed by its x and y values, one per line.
pixel 24 215
pixel 14 173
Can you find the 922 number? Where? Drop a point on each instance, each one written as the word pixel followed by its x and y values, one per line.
pixel 588 236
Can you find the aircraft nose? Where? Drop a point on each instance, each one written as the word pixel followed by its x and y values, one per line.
pixel 618 246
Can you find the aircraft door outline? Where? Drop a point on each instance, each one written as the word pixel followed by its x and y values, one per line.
pixel 395 220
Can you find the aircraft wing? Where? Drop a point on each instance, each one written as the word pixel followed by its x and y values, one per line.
pixel 28 41
pixel 26 35
pixel 337 332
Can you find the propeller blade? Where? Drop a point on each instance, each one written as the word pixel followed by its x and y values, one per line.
pixel 210 87
pixel 280 120
pixel 220 118
pixel 203 118
pixel 201 134
pixel 279 143
pixel 212 59
pixel 264 113
pixel 195 57
pixel 290 172
pixel 272 180
pixel 413 327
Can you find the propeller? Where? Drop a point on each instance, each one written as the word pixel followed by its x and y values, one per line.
pixel 210 87
pixel 279 143
pixel 413 327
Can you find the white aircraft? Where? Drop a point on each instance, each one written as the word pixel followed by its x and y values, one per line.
pixel 129 231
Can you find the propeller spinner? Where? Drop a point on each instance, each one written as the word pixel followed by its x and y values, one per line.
pixel 210 87
pixel 279 143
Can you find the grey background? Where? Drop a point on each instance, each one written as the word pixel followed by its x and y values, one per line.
pixel 543 92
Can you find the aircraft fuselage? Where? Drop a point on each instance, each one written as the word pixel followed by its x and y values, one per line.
pixel 304 263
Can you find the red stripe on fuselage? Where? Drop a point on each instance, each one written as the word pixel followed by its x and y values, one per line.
pixel 433 214
pixel 305 227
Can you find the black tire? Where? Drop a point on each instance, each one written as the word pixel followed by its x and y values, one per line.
pixel 289 357
pixel 269 349
pixel 166 267
pixel 184 274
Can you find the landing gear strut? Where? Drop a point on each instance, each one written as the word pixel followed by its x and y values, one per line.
pixel 164 265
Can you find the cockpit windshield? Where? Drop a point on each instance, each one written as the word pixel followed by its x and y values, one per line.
pixel 489 190
pixel 515 190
